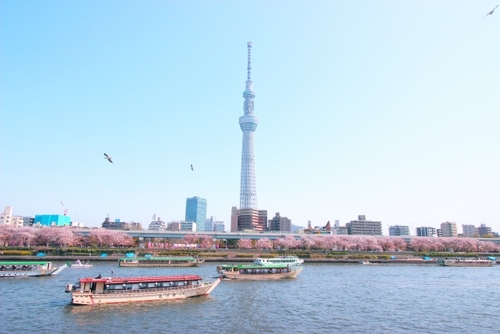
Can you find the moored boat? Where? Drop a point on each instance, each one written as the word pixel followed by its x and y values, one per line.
pixel 167 261
pixel 464 262
pixel 80 265
pixel 112 290
pixel 256 272
pixel 289 260
pixel 28 268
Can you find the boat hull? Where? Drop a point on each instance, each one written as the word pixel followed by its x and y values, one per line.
pixel 88 298
pixel 27 273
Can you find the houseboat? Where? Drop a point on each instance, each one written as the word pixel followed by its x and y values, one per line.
pixel 28 268
pixel 168 261
pixel 289 260
pixel 465 262
pixel 257 272
pixel 112 290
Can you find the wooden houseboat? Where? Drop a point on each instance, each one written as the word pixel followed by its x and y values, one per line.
pixel 112 290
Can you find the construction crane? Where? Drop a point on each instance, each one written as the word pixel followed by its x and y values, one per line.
pixel 65 210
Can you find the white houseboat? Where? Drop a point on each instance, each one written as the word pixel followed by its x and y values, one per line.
pixel 28 268
pixel 257 272
pixel 112 290
pixel 288 260
pixel 466 262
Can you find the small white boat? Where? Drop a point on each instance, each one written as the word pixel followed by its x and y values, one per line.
pixel 79 265
pixel 365 262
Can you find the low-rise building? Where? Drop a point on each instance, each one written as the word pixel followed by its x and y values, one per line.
pixel 449 229
pixel 364 227
pixel 398 230
pixel 119 225
pixel 426 231
pixel 52 220
pixel 279 224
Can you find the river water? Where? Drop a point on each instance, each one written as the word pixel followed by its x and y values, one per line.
pixel 324 298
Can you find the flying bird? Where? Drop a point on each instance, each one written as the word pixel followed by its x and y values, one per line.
pixel 108 158
pixel 491 13
pixel 191 167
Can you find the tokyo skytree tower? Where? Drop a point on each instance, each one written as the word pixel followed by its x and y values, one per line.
pixel 248 124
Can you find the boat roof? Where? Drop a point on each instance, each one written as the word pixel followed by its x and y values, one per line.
pixel 140 279
pixel 10 263
pixel 255 266
pixel 278 258
pixel 164 258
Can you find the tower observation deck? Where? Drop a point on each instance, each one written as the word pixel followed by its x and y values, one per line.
pixel 248 124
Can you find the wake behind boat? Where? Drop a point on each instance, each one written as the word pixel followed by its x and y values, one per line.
pixel 28 268
pixel 109 290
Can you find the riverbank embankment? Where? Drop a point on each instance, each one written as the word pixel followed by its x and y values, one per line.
pixel 231 259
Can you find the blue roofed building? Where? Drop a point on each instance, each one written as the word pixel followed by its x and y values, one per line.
pixel 52 220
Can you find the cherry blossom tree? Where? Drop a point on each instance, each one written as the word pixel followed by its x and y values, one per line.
pixel 306 243
pixel 22 236
pixel 245 243
pixel 191 239
pixel 264 243
pixel 103 237
pixel 399 244
pixel 206 241
pixel 6 232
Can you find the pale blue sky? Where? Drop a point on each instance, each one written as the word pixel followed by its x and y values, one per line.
pixel 384 108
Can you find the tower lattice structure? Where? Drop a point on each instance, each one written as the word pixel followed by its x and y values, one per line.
pixel 248 124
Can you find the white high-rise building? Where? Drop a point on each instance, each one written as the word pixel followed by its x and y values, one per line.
pixel 6 218
pixel 248 124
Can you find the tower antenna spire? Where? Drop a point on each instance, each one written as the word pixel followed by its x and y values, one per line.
pixel 249 67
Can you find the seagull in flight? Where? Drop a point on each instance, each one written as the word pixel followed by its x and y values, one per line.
pixel 191 167
pixel 491 13
pixel 108 158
